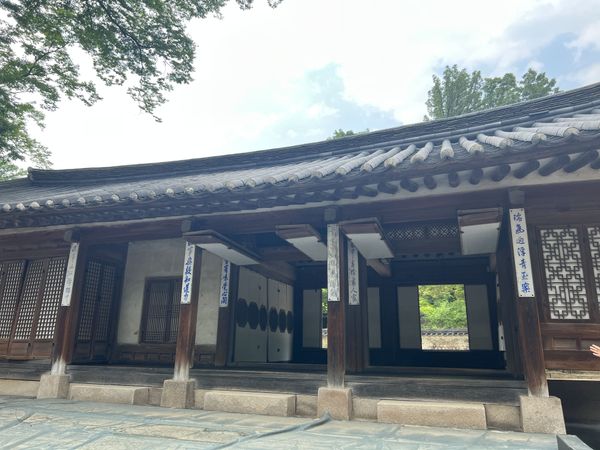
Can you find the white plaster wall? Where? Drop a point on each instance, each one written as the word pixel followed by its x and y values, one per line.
pixel 158 258
pixel 208 303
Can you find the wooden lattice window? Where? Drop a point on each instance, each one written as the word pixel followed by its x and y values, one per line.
pixel 53 290
pixel 97 300
pixel 160 320
pixel 88 303
pixel 11 278
pixel 593 234
pixel 570 259
pixel 29 299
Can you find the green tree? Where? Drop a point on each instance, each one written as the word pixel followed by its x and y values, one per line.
pixel 460 92
pixel 141 44
pixel 340 133
pixel 442 306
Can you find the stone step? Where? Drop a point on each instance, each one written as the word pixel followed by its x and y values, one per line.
pixel 434 414
pixel 22 388
pixel 132 395
pixel 269 404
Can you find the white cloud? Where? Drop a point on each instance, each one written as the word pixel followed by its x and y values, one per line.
pixel 589 75
pixel 588 38
pixel 252 66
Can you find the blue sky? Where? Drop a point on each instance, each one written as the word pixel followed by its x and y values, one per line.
pixel 269 78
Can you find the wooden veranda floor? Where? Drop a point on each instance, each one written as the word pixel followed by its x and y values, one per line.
pixel 485 386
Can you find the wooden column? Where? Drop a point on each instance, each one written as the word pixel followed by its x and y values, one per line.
pixel 188 312
pixel 529 334
pixel 337 291
pixel 357 333
pixel 507 304
pixel 225 325
pixel 68 311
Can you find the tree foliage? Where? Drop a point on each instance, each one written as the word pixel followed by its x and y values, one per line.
pixel 340 133
pixel 141 44
pixel 460 92
pixel 442 307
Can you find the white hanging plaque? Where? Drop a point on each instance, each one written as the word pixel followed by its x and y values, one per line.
pixel 70 275
pixel 353 283
pixel 188 270
pixel 333 268
pixel 225 278
pixel 520 244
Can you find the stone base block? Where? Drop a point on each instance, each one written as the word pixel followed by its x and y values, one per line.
pixel 103 393
pixel 433 414
pixel 251 403
pixel 22 388
pixel 503 417
pixel 364 408
pixel 154 396
pixel 199 398
pixel 53 386
pixel 542 415
pixel 178 394
pixel 306 405
pixel 335 401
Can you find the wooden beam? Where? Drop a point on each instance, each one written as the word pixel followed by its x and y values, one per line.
pixel 383 270
pixel 225 322
pixel 581 160
pixel 430 182
pixel 453 179
pixel 409 185
pixel 387 188
pixel 525 169
pixel 337 271
pixel 554 164
pixel 282 253
pixel 278 270
pixel 500 172
pixel 188 314
pixel 476 175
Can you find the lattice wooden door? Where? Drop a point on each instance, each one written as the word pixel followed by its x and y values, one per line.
pixel 30 293
pixel 97 311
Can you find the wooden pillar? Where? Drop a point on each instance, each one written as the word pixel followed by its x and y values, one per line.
pixel 507 303
pixel 530 337
pixel 68 311
pixel 357 333
pixel 225 324
pixel 188 312
pixel 337 292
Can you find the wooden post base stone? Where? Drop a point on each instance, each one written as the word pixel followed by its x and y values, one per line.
pixel 335 401
pixel 178 394
pixel 53 386
pixel 542 415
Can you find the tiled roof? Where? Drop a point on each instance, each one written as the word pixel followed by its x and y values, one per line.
pixel 520 132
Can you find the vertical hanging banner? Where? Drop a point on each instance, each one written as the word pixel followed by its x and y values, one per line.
pixel 353 291
pixel 520 245
pixel 70 275
pixel 333 260
pixel 225 278
pixel 188 270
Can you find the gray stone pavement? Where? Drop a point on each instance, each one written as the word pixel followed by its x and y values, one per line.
pixel 62 424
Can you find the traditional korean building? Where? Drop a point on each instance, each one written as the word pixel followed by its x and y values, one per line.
pixel 200 283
